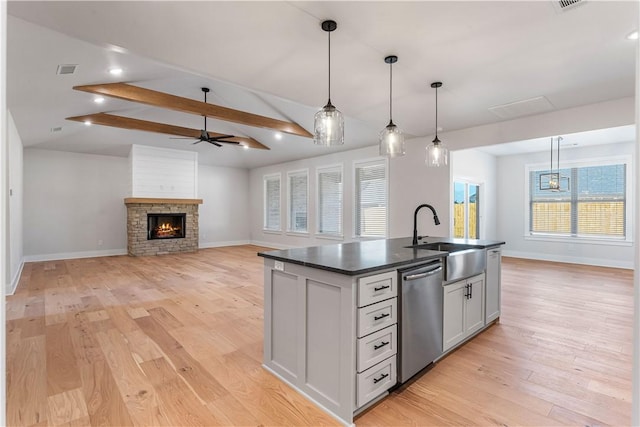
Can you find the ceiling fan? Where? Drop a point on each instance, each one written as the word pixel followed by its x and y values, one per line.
pixel 214 139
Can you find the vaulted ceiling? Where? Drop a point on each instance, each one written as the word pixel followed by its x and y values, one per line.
pixel 270 58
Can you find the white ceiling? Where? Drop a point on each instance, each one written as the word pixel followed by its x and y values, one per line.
pixel 270 58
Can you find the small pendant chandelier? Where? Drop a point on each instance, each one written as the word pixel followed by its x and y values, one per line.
pixel 391 138
pixel 328 122
pixel 437 152
pixel 553 181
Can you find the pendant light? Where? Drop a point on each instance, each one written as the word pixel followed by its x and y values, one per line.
pixel 553 181
pixel 391 138
pixel 328 122
pixel 437 153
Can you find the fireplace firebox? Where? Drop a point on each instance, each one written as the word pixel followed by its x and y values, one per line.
pixel 165 226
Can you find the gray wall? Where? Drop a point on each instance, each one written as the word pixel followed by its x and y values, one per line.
pixel 410 184
pixel 74 205
pixel 512 207
pixel 15 200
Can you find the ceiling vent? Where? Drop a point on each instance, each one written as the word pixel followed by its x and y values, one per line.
pixel 56 129
pixel 565 5
pixel 523 108
pixel 66 69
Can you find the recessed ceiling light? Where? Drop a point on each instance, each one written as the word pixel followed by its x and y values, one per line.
pixel 246 147
pixel 98 99
pixel 278 136
pixel 115 71
pixel 633 36
pixel 87 122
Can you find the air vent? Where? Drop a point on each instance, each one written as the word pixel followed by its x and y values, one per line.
pixel 66 69
pixel 57 129
pixel 523 108
pixel 565 5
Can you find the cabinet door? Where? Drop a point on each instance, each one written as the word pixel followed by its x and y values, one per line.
pixel 492 309
pixel 453 314
pixel 474 314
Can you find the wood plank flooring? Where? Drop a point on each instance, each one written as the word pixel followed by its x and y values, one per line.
pixel 176 340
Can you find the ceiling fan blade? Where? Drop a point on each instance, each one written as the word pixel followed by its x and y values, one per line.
pixel 186 105
pixel 244 141
pixel 210 141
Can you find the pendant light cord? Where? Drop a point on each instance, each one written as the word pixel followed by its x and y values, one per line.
pixel 329 62
pixel 390 90
pixel 436 112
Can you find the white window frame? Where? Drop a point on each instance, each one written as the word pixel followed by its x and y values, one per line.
pixel 265 179
pixel 291 174
pixel 599 161
pixel 323 235
pixel 467 182
pixel 369 162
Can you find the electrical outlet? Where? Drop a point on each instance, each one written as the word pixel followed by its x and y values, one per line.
pixel 279 265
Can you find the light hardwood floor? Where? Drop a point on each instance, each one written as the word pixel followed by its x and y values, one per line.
pixel 177 340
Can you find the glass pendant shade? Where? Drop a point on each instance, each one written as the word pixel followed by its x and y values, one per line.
pixel 437 154
pixel 391 141
pixel 391 138
pixel 328 123
pixel 328 126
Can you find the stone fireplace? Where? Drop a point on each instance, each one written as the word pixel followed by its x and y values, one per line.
pixel 161 226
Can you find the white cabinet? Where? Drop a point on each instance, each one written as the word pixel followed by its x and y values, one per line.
pixel 463 312
pixel 494 267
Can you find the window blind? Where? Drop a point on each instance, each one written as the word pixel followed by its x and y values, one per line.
pixel 298 201
pixel 371 199
pixel 330 191
pixel 272 203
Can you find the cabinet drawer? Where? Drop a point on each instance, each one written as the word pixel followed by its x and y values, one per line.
pixel 376 288
pixel 374 381
pixel 376 347
pixel 377 316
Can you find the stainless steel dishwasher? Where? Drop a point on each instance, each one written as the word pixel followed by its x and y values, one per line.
pixel 420 318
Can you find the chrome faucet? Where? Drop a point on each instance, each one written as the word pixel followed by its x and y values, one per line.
pixel 415 221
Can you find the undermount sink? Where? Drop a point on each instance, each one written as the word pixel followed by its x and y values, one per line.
pixel 463 260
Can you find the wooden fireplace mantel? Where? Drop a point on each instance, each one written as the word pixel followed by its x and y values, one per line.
pixel 148 200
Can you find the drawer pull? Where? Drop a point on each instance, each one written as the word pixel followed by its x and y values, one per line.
pixel 379 346
pixel 379 288
pixel 382 316
pixel 377 380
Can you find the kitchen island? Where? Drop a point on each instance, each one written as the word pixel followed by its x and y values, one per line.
pixel 331 318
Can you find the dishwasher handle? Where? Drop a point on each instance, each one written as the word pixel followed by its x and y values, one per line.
pixel 422 275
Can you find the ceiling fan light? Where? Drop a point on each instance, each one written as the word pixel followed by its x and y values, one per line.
pixel 328 126
pixel 437 154
pixel 391 141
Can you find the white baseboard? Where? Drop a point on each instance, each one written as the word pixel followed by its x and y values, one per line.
pixel 202 245
pixel 599 262
pixel 15 279
pixel 74 255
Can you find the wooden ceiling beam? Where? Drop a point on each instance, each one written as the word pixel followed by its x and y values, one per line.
pixel 164 100
pixel 121 122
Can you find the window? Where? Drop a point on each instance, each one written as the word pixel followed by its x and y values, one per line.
pixel 466 210
pixel 272 202
pixel 297 201
pixel 370 199
pixel 330 201
pixel 592 202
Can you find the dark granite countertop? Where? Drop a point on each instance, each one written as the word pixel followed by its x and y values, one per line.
pixel 363 257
